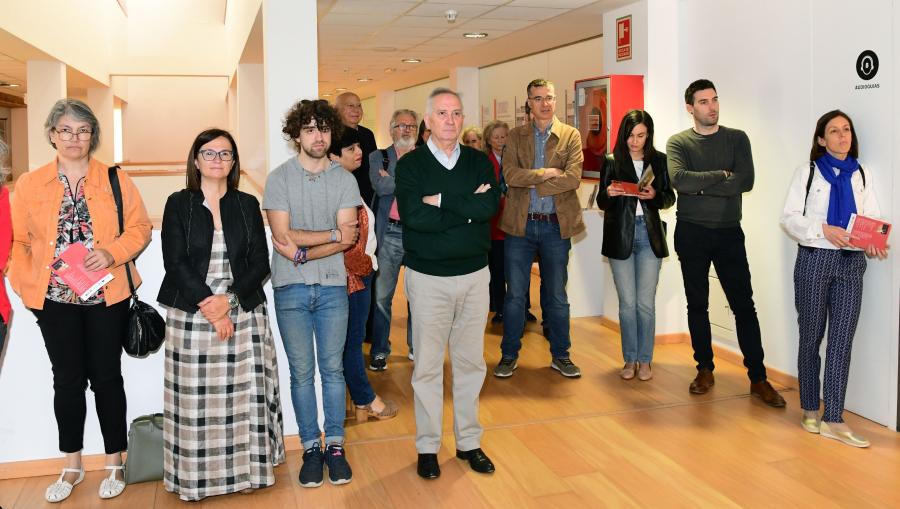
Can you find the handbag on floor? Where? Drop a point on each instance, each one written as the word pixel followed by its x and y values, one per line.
pixel 146 328
pixel 145 449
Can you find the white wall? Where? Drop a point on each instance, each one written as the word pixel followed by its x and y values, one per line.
pixel 414 98
pixel 774 89
pixel 18 120
pixel 563 66
pixel 165 114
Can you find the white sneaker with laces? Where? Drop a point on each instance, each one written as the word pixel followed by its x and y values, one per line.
pixel 61 489
pixel 112 487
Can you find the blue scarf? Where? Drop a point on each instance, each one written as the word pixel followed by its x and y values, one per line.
pixel 841 203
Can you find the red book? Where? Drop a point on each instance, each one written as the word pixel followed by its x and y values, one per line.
pixel 867 231
pixel 633 189
pixel 70 268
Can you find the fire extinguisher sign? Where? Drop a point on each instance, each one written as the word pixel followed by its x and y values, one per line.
pixel 623 38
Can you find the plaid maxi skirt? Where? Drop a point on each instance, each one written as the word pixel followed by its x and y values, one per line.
pixel 223 428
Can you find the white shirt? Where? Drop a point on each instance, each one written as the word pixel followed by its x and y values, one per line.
pixel 371 242
pixel 638 170
pixel 807 230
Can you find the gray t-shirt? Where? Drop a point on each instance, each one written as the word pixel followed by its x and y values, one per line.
pixel 313 201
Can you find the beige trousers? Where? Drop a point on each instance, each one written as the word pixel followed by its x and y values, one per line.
pixel 448 312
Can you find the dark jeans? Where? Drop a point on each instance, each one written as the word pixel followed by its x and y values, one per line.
pixel 697 247
pixel 497 268
pixel 541 238
pixel 354 366
pixel 85 345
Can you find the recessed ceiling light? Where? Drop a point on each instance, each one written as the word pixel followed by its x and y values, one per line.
pixel 474 35
pixel 411 60
pixel 9 85
pixel 390 69
pixel 326 95
pixel 364 80
pixel 340 89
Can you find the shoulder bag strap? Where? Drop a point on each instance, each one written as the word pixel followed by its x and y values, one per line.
pixel 117 195
pixel 812 170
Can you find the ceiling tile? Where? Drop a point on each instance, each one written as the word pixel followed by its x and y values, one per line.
pixel 458 33
pixel 565 4
pixel 438 9
pixel 486 25
pixel 366 7
pixel 363 20
pixel 526 13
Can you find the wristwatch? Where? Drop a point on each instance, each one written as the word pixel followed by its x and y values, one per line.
pixel 232 300
pixel 334 235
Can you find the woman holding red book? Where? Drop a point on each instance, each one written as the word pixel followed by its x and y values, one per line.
pixel 828 274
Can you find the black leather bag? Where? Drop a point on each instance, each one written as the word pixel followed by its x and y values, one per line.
pixel 146 329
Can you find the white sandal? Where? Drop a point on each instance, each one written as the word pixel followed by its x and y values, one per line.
pixel 60 490
pixel 112 487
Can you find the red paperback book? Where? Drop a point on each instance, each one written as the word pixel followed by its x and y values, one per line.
pixel 633 189
pixel 867 231
pixel 70 268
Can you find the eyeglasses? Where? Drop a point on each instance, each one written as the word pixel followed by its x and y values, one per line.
pixel 542 98
pixel 406 127
pixel 210 155
pixel 68 134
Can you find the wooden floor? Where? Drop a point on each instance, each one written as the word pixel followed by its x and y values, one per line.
pixel 597 441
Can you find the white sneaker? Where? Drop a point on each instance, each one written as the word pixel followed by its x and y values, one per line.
pixel 60 490
pixel 112 487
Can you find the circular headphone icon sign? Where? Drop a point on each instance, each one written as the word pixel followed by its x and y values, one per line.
pixel 867 65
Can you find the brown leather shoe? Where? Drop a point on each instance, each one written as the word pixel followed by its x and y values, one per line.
pixel 764 391
pixel 703 382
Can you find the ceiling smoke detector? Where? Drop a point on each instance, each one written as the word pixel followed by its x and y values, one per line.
pixel 451 15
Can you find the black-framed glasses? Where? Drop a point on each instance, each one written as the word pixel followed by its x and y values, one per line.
pixel 67 134
pixel 406 127
pixel 210 155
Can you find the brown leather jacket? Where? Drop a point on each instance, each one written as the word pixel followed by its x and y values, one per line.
pixel 563 151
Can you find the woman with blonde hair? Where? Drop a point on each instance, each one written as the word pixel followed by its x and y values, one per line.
pixel 471 137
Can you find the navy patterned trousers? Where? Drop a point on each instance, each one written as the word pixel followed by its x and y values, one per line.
pixel 828 286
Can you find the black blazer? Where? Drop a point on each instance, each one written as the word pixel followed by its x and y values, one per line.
pixel 187 233
pixel 618 220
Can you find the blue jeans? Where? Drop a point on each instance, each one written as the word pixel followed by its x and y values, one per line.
pixel 309 314
pixel 354 366
pixel 541 238
pixel 636 278
pixel 390 259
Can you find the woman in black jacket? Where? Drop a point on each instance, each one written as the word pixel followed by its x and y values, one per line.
pixel 223 425
pixel 634 238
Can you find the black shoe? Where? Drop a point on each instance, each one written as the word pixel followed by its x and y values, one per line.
pixel 378 362
pixel 428 467
pixel 530 317
pixel 311 473
pixel 339 471
pixel 477 459
pixel 498 318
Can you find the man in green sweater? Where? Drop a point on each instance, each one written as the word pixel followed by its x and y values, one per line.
pixel 711 166
pixel 446 195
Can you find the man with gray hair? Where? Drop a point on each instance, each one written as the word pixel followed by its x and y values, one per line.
pixel 389 233
pixel 349 107
pixel 446 196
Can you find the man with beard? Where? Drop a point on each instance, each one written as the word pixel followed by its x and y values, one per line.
pixel 311 203
pixel 711 166
pixel 389 232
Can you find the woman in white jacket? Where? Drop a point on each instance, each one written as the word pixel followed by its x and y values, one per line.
pixel 828 274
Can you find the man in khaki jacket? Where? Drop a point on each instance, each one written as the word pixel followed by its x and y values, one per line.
pixel 542 167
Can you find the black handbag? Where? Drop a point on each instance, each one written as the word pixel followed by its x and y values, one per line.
pixel 146 328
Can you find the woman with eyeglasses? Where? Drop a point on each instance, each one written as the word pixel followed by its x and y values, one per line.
pixel 64 203
pixel 5 242
pixel 222 428
pixel 472 137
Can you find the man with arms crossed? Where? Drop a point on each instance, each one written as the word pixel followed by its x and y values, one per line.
pixel 711 166
pixel 311 203
pixel 542 167
pixel 447 195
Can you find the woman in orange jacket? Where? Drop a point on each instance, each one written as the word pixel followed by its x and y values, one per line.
pixel 67 202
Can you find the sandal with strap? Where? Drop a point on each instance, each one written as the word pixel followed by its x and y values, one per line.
pixel 389 411
pixel 61 489
pixel 112 487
